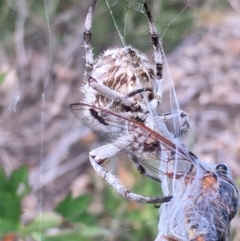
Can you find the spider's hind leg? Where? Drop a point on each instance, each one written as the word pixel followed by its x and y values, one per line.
pixel 99 155
pixel 104 152
pixel 121 190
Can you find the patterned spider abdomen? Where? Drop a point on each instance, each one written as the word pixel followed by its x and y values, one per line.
pixel 125 71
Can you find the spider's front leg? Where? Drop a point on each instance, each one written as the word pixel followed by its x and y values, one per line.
pixel 98 156
pixel 116 97
pixel 87 39
pixel 158 55
pixel 183 121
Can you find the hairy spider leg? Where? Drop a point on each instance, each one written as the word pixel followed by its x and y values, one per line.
pixel 102 153
pixel 158 57
pixel 117 98
pixel 121 190
pixel 87 39
pixel 126 100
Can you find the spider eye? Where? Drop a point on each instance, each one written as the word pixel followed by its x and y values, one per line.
pixel 221 169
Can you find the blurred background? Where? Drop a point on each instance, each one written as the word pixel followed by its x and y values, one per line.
pixel 48 190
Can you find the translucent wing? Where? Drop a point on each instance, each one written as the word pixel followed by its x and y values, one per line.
pixel 146 147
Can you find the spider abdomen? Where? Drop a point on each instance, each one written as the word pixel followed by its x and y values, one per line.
pixel 123 70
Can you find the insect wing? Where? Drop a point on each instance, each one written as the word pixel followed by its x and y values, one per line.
pixel 146 147
pixel 103 122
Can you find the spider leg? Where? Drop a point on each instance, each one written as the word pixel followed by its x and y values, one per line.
pixel 121 190
pixel 99 155
pixel 183 119
pixel 130 94
pixel 104 152
pixel 110 93
pixel 142 170
pixel 185 125
pixel 158 57
pixel 137 91
pixel 87 39
pixel 118 98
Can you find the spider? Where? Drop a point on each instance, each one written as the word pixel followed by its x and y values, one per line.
pixel 124 81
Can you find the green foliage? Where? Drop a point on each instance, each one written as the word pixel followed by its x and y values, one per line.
pixel 75 209
pixel 12 192
pixel 75 234
pixel 238 182
pixel 131 22
pixel 174 24
pixel 128 219
pixel 2 77
pixel 73 217
pixel 172 18
pixel 41 223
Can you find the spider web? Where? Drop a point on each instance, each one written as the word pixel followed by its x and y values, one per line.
pixel 47 144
